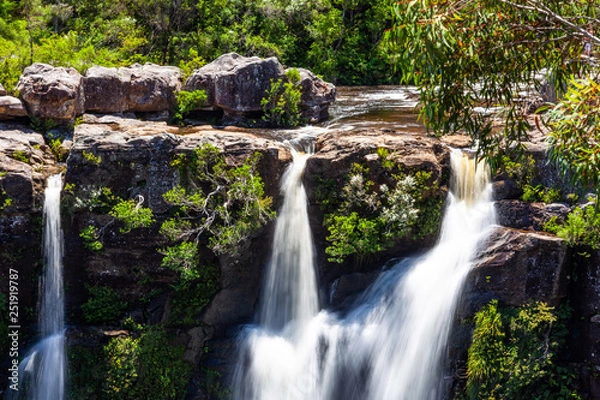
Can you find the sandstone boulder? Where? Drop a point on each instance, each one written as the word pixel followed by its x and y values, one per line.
pixel 317 95
pixel 236 85
pixel 104 90
pixel 11 107
pixel 52 92
pixel 139 88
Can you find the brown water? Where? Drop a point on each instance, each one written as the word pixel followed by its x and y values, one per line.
pixel 376 107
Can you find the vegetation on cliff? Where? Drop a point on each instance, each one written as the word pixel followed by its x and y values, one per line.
pixel 515 354
pixel 365 217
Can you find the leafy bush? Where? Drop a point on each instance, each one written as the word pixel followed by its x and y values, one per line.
pixel 91 157
pixel 20 155
pixel 281 103
pixel 367 218
pixel 187 102
pixel 148 367
pixel 514 354
pixel 104 306
pixel 539 193
pixel 132 214
pixel 581 228
pixel 91 236
pixel 574 133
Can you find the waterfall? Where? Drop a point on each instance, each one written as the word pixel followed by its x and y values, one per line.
pixel 290 293
pixel 391 344
pixel 43 370
pixel 274 358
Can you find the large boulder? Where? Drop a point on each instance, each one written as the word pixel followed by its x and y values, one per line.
pixel 11 107
pixel 54 93
pixel 237 84
pixel 139 88
pixel 317 95
pixel 104 90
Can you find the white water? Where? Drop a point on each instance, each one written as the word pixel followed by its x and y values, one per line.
pixel 391 346
pixel 290 291
pixel 275 353
pixel 43 371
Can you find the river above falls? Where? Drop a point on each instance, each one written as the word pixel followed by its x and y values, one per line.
pixel 375 107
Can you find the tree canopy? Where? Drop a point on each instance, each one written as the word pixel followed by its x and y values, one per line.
pixel 466 54
pixel 338 39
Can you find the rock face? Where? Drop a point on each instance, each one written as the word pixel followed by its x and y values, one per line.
pixel 23 158
pixel 525 215
pixel 11 107
pixel 519 267
pixel 52 93
pixel 236 84
pixel 139 88
pixel 133 158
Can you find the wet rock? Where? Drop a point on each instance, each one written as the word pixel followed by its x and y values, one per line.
pixel 506 189
pixel 11 107
pixel 518 267
pixel 54 93
pixel 139 88
pixel 347 287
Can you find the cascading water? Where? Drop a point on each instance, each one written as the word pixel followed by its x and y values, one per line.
pixel 274 352
pixel 44 369
pixel 391 345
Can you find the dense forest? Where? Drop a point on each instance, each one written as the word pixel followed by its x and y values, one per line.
pixel 339 39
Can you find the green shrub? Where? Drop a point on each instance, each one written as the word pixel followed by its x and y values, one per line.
pixel 581 228
pixel 540 193
pixel 91 157
pixel 281 103
pixel 187 102
pixel 132 214
pixel 104 306
pixel 20 155
pixel 514 354
pixel 365 218
pixel 87 372
pixel 221 204
pixel 91 236
pixel 148 367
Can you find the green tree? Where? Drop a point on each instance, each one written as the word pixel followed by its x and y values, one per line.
pixel 476 53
